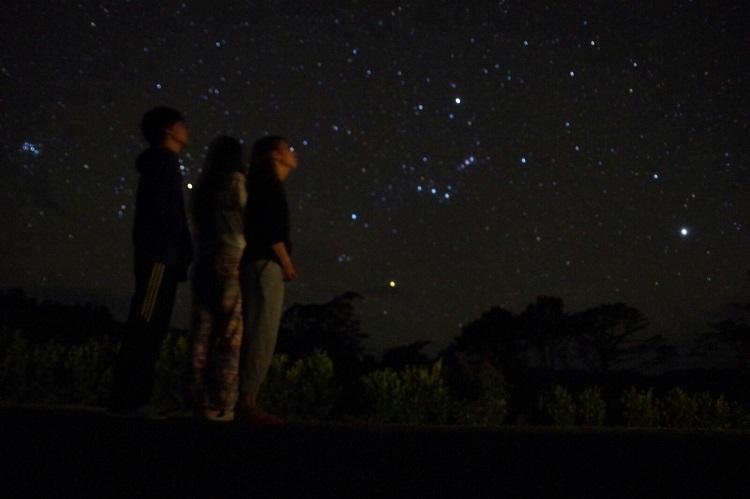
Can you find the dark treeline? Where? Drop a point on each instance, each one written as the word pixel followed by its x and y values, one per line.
pixel 41 321
pixel 607 346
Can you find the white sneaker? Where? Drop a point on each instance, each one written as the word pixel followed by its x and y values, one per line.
pixel 214 415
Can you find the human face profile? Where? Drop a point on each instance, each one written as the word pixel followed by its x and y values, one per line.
pixel 178 136
pixel 285 159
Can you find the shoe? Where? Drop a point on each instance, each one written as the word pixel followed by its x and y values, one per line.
pixel 257 417
pixel 216 415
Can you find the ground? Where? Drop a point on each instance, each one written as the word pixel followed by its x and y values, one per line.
pixel 63 452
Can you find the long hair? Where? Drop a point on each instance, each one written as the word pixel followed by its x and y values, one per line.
pixel 261 166
pixel 224 156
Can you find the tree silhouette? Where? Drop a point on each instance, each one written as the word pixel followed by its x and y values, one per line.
pixel 548 333
pixel 332 327
pixel 540 336
pixel 39 322
pixel 733 332
pixel 495 337
pixel 598 339
pixel 606 337
pixel 397 358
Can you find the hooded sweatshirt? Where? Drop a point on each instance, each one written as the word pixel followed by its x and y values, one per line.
pixel 160 230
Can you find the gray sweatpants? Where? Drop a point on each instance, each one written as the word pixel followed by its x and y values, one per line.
pixel 262 284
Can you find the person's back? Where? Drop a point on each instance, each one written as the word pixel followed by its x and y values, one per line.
pixel 160 228
pixel 218 206
pixel 162 254
pixel 218 214
pixel 266 219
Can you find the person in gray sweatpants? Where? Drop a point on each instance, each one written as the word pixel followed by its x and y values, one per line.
pixel 265 267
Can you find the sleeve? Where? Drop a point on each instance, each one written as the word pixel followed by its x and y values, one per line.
pixel 240 193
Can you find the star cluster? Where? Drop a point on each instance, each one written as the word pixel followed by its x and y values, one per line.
pixel 453 157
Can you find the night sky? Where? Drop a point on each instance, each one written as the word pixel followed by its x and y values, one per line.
pixel 452 158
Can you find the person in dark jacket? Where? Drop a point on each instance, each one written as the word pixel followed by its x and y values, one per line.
pixel 163 252
pixel 266 264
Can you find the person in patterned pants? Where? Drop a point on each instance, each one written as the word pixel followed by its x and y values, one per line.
pixel 218 210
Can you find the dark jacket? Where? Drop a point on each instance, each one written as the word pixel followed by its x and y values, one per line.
pixel 160 230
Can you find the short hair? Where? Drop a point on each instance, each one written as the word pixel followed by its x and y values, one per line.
pixel 155 123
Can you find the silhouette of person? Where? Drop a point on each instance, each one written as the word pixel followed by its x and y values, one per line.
pixel 266 265
pixel 218 210
pixel 163 251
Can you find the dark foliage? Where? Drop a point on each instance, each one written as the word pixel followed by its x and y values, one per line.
pixel 605 337
pixel 399 357
pixel 332 327
pixel 545 336
pixel 497 336
pixel 730 336
pixel 547 333
pixel 39 322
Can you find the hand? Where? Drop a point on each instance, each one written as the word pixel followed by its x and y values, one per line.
pixel 289 272
pixel 287 267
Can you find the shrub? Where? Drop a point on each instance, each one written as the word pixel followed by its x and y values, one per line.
pixel 640 409
pixel 721 415
pixel 711 413
pixel 306 390
pixel 380 391
pixel 85 374
pixel 484 396
pixel 679 411
pixel 591 407
pixel 172 373
pixel 561 407
pixel 697 411
pixel 741 415
pixel 41 373
pixel 271 394
pixel 52 372
pixel 14 361
pixel 415 395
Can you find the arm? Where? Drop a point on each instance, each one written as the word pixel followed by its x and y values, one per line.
pixel 290 274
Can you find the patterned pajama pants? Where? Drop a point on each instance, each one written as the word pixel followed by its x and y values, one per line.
pixel 216 333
